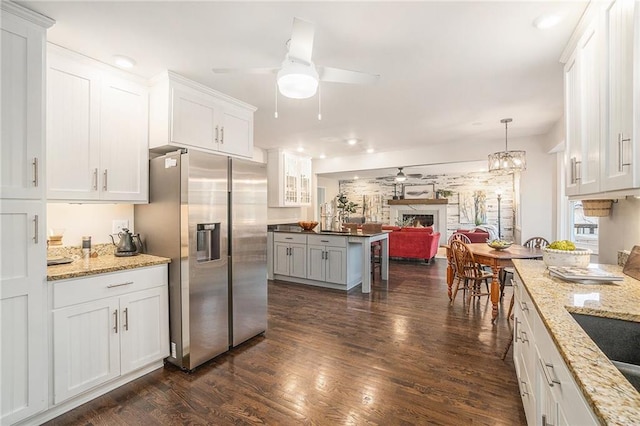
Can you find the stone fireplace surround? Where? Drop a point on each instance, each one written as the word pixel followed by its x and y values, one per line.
pixel 439 212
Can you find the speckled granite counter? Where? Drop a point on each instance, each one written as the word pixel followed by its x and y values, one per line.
pixel 101 265
pixel 613 399
pixel 337 233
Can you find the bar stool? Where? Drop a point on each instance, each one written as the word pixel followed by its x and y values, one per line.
pixel 376 246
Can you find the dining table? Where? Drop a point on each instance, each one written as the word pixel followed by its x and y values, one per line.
pixel 496 259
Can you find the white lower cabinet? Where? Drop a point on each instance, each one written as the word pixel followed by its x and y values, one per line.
pixel 97 339
pixel 290 259
pixel 327 262
pixel 549 393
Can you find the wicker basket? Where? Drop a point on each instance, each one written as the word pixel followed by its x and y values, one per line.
pixel 596 208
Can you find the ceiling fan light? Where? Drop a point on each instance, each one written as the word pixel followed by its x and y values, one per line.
pixel 297 81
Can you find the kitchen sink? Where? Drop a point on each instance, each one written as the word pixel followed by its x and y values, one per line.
pixel 618 339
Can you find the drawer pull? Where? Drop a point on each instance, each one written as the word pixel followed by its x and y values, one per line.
pixel 288 238
pixel 515 333
pixel 324 241
pixel 115 317
pixel 550 380
pixel 524 386
pixel 119 285
pixel 524 307
pixel 523 339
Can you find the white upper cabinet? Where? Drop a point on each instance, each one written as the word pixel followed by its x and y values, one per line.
pixel 602 102
pixel 582 111
pixel 620 154
pixel 21 112
pixel 289 179
pixel 97 132
pixel 186 114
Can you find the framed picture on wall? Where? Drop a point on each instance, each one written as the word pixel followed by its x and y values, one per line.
pixel 419 191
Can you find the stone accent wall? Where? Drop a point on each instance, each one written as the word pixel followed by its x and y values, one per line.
pixel 474 198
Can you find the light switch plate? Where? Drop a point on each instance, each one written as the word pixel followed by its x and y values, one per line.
pixel 117 225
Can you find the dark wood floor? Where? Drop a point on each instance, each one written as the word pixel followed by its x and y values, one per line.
pixel 398 356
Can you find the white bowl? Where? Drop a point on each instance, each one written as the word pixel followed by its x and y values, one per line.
pixel 578 258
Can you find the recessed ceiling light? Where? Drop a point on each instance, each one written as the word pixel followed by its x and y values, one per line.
pixel 300 149
pixel 352 141
pixel 123 61
pixel 355 177
pixel 322 156
pixel 543 22
pixel 476 123
pixel 370 151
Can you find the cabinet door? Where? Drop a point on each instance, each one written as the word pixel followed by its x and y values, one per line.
pixel 298 265
pixel 281 259
pixel 193 120
pixel 316 263
pixel 572 127
pixel 291 180
pixel 23 370
pixel 620 153
pixel 589 59
pixel 21 110
pixel 304 170
pixel 86 349
pixel 236 131
pixel 336 265
pixel 144 328
pixel 124 144
pixel 73 126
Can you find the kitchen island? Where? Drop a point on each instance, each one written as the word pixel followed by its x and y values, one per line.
pixel 608 394
pixel 327 259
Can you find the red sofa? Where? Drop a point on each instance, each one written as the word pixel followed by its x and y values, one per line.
pixel 413 243
pixel 475 235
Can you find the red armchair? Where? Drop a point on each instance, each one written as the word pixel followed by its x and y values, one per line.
pixel 413 243
pixel 475 235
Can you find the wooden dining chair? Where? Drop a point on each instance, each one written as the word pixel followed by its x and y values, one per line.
pixel 506 273
pixel 468 275
pixel 376 246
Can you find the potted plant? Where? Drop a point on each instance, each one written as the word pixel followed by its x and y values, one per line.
pixel 345 207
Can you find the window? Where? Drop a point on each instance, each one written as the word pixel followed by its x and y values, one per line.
pixel 584 229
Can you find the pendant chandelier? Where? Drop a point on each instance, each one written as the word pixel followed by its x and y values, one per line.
pixel 507 161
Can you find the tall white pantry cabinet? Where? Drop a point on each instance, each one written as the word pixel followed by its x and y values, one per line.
pixel 23 336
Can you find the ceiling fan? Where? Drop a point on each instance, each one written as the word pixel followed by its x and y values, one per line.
pixel 298 77
pixel 401 176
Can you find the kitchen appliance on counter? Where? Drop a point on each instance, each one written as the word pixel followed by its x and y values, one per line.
pixel 127 246
pixel 208 213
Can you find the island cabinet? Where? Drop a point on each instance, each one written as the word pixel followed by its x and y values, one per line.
pixel 97 131
pixel 549 393
pixel 327 259
pixel 289 179
pixel 23 333
pixel 184 113
pixel 106 327
pixel 290 255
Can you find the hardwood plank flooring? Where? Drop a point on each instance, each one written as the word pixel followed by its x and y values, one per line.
pixel 398 356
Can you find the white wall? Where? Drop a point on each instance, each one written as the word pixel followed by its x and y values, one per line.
pixel 619 231
pixel 80 220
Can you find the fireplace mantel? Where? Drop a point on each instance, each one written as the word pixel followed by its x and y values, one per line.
pixel 421 201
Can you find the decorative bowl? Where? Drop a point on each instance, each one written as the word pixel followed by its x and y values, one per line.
pixel 578 258
pixel 499 244
pixel 307 225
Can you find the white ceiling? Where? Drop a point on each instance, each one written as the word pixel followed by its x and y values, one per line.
pixel 449 70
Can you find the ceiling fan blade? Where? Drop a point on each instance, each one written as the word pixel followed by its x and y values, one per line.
pixel 337 75
pixel 245 70
pixel 414 175
pixel 301 43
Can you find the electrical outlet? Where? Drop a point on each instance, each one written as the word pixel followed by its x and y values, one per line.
pixel 118 225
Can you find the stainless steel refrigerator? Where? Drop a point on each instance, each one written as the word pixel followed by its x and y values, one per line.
pixel 208 213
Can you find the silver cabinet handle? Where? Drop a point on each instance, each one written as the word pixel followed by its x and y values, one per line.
pixel 216 134
pixel 545 422
pixel 115 316
pixel 524 339
pixel 524 385
pixel 572 168
pixel 288 238
pixel 324 241
pixel 104 182
pixel 222 135
pixel 550 380
pixel 119 285
pixel 35 229
pixel 95 179
pixel 515 331
pixel 35 171
pixel 126 319
pixel 621 141
pixel 523 306
pixel 578 170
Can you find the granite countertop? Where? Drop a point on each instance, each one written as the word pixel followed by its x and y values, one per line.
pixel 338 233
pixel 613 399
pixel 101 265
